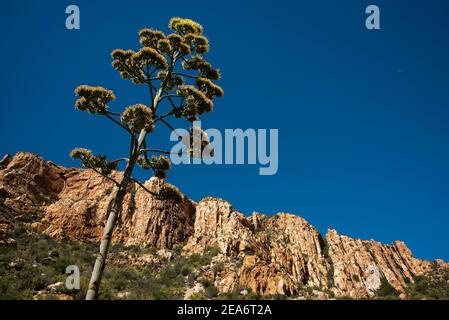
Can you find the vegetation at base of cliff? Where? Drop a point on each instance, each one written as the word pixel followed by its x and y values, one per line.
pixel 434 285
pixel 330 270
pixel 386 290
pixel 36 261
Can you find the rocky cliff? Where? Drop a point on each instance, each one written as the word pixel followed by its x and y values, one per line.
pixel 73 203
pixel 271 255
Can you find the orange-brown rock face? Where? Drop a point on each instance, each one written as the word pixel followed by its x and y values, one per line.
pixel 283 253
pixel 159 223
pixel 262 277
pixel 272 255
pixel 297 248
pixel 217 224
pixel 27 182
pixel 278 252
pixel 84 203
pixel 358 265
pixel 76 203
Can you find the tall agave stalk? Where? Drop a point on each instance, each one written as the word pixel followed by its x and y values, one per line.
pixel 154 65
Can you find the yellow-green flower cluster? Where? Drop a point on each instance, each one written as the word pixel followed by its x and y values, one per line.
pixel 187 37
pixel 150 38
pixel 209 88
pixel 195 103
pixel 127 67
pixel 168 45
pixel 160 165
pixel 204 68
pixel 172 82
pixel 151 57
pixel 185 26
pixel 138 117
pixel 93 99
pixel 178 44
pixel 81 153
pixel 199 43
pixel 131 64
pixel 88 160
pixel 169 192
pixel 164 46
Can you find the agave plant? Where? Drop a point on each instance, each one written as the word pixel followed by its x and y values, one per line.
pixel 179 79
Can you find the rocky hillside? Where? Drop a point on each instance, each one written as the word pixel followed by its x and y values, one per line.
pixel 272 256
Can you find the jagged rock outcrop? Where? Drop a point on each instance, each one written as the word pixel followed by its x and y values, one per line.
pixel 75 203
pixel 83 205
pixel 264 278
pixel 27 182
pixel 278 252
pixel 296 247
pixel 282 253
pixel 271 255
pixel 359 264
pixel 217 224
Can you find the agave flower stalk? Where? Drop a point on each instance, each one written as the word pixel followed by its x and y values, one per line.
pixel 161 54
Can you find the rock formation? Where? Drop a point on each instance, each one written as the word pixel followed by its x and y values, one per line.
pixel 74 204
pixel 272 255
pixel 358 264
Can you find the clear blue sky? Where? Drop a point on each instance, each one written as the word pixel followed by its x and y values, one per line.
pixel 363 116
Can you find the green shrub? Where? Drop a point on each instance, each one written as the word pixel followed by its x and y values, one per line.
pixel 199 296
pixel 386 290
pixel 211 291
pixel 345 298
pixel 330 276
pixel 433 285
pixel 218 267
